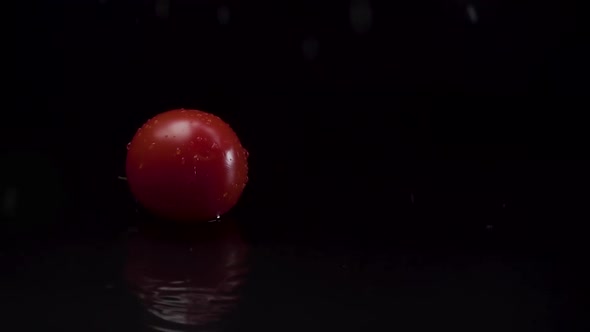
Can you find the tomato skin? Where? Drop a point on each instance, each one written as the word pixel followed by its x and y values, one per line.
pixel 186 165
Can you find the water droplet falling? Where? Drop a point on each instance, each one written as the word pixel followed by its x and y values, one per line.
pixel 9 202
pixel 472 14
pixel 223 15
pixel 310 48
pixel 163 8
pixel 361 16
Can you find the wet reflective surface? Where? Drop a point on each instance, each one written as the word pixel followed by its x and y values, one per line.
pixel 293 276
pixel 187 279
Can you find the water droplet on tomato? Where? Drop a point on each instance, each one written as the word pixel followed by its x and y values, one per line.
pixel 155 121
pixel 192 143
pixel 128 145
pixel 178 152
pixel 195 169
pixel 225 194
pixel 152 145
pixel 246 179
pixel 141 166
pixel 182 160
pixel 246 153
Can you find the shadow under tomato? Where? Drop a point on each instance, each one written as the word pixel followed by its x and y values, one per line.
pixel 187 278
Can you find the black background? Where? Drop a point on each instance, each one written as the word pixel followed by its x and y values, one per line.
pixel 429 173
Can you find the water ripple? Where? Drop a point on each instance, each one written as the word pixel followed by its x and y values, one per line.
pixel 189 281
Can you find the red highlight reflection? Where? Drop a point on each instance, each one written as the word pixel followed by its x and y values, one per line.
pixel 187 278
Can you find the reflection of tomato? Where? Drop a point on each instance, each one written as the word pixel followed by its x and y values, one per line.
pixel 186 165
pixel 190 277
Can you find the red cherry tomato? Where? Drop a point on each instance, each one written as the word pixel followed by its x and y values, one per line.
pixel 186 165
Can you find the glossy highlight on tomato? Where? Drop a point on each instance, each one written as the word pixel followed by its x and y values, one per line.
pixel 186 165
